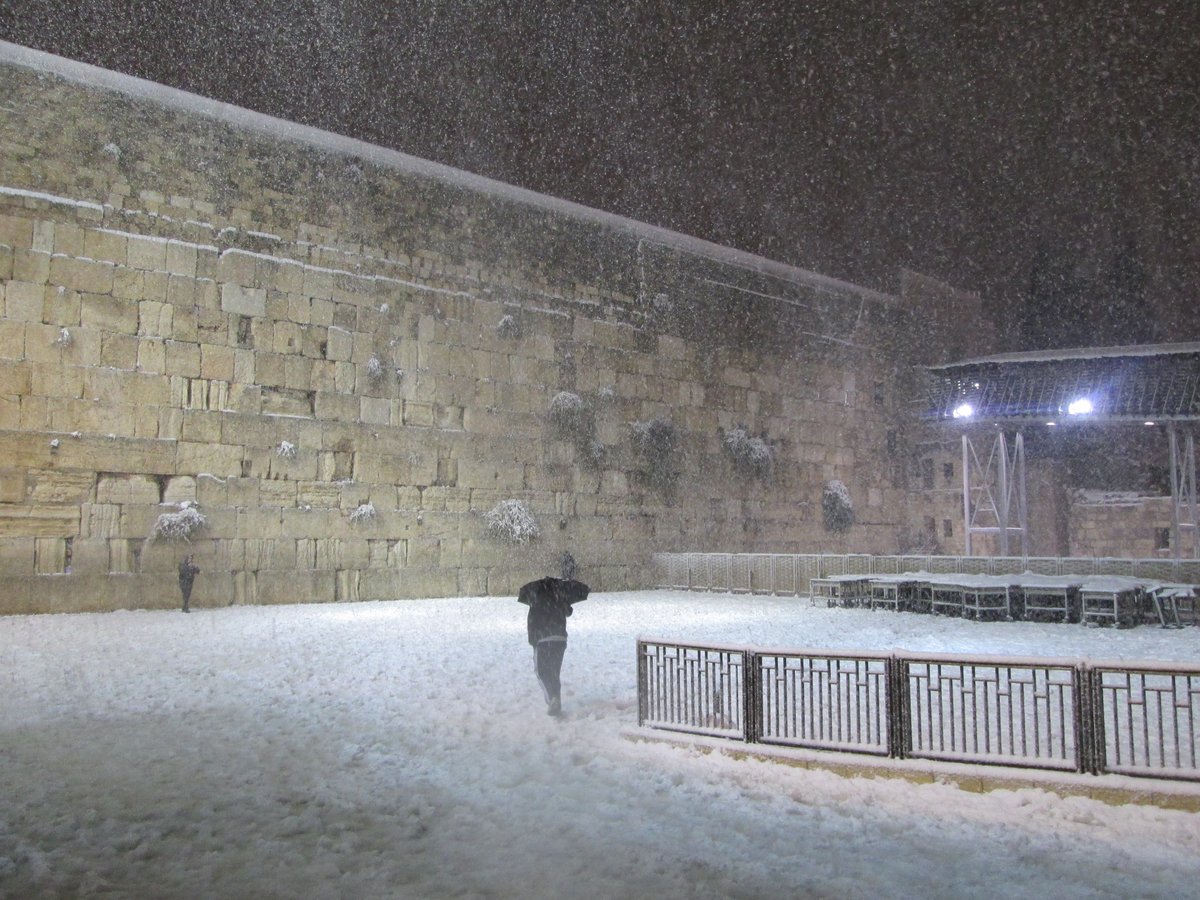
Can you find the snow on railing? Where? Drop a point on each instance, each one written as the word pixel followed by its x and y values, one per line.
pixel 1029 712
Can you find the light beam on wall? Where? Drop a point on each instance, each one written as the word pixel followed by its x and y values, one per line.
pixel 964 411
pixel 1080 407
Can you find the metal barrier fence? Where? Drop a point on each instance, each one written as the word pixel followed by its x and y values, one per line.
pixel 1067 715
pixel 788 574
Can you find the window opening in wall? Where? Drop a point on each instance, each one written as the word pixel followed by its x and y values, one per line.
pixel 1162 538
pixel 930 525
pixel 948 471
pixel 947 528
pixel 891 442
pixel 927 474
pixel 877 396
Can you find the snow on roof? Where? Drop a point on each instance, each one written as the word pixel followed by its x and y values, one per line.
pixel 1030 356
pixel 281 129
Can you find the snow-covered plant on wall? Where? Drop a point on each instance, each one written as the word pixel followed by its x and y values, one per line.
pixel 593 453
pixel 178 526
pixel 567 412
pixel 64 337
pixel 363 513
pixel 836 508
pixel 656 442
pixel 511 521
pixel 575 420
pixel 375 367
pixel 750 454
pixel 508 328
pixel 286 450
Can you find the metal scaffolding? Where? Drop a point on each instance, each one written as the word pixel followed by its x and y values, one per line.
pixel 994 491
pixel 1185 539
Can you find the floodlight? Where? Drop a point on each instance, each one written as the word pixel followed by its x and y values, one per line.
pixel 1080 407
pixel 964 411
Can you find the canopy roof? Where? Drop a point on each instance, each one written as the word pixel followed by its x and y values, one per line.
pixel 1151 382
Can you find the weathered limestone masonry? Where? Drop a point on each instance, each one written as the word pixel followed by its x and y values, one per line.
pixel 343 358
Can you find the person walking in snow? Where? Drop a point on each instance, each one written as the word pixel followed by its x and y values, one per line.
pixel 550 600
pixel 187 575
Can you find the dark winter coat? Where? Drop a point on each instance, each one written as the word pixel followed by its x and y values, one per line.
pixel 549 601
pixel 187 574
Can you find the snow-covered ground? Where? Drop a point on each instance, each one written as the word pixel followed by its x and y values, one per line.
pixel 401 750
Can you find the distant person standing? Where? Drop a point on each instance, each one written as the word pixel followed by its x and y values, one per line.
pixel 550 600
pixel 187 575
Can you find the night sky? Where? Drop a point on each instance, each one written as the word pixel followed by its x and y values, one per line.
pixel 1044 155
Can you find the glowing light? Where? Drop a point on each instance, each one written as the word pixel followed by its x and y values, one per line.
pixel 1051 423
pixel 1147 423
pixel 964 411
pixel 1080 407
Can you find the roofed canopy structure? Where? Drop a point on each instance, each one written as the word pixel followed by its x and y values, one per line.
pixel 1155 384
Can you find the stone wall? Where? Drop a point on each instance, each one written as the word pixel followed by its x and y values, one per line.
pixel 343 358
pixel 1138 525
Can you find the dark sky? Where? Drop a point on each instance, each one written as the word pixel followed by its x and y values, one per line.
pixel 1015 149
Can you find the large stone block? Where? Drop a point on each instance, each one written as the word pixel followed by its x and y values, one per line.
pixel 181 258
pixel 108 313
pixel 119 351
pixel 201 426
pixel 295 587
pixel 31 265
pixel 84 275
pixel 413 583
pixel 108 246
pixel 12 340
pixel 146 253
pixel 260 523
pixel 13 485
pixel 24 301
pixel 214 459
pixel 16 557
pixel 24 521
pixel 16 232
pixel 216 362
pixel 56 487
pixel 243 301
pixel 15 377
pixel 183 359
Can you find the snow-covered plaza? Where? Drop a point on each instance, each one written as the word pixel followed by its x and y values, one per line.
pixel 401 749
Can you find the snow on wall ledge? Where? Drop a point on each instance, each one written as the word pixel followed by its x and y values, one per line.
pixel 188 288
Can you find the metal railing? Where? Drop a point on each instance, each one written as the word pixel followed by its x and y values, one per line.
pixel 1061 714
pixel 788 574
pixel 1149 715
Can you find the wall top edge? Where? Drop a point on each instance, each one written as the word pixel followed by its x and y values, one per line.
pixel 94 77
